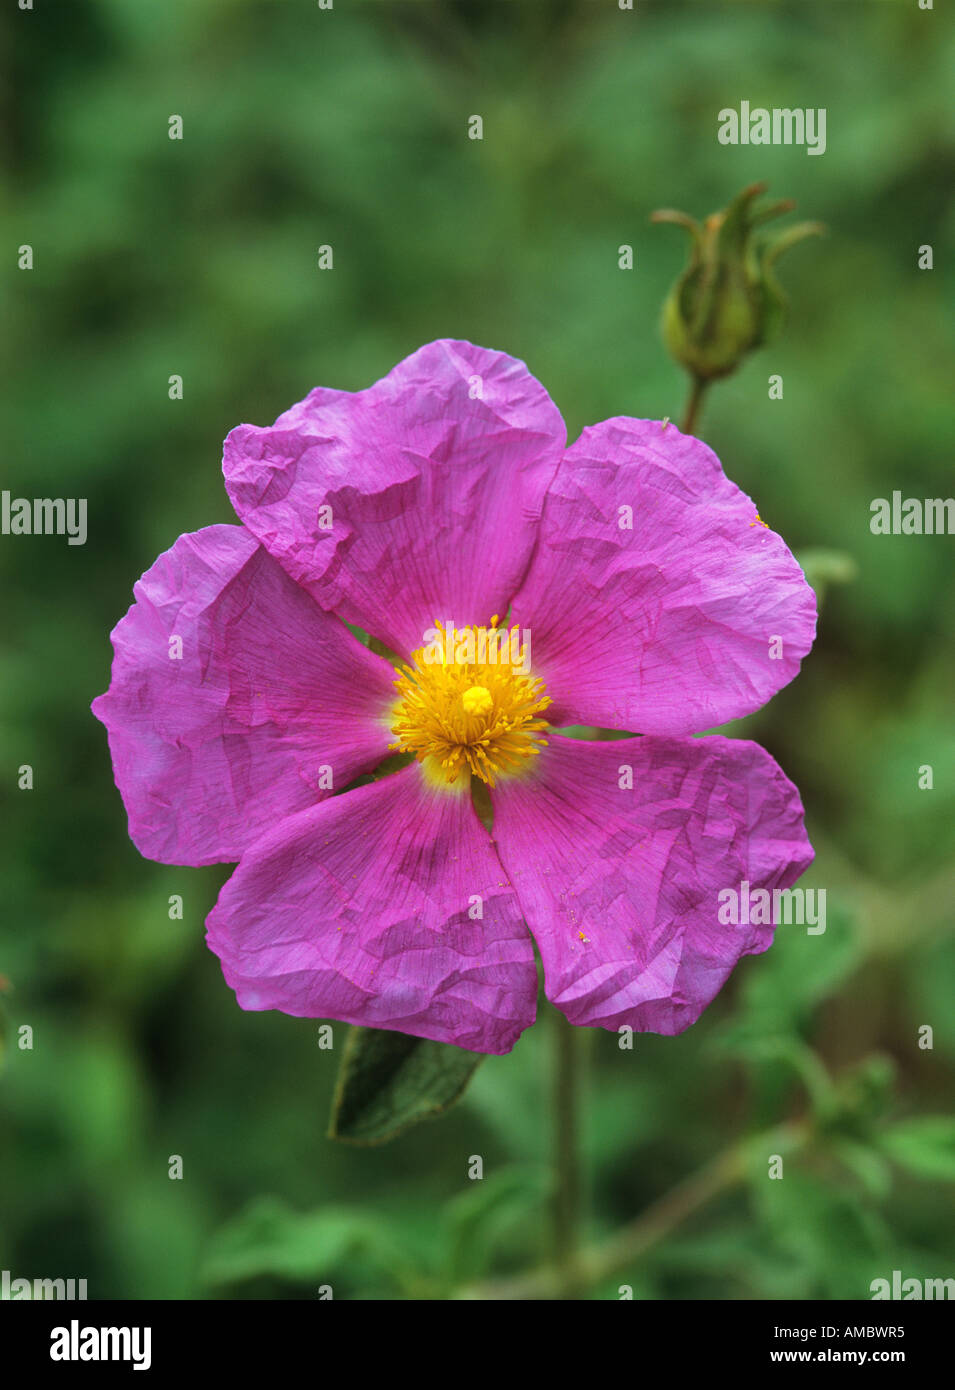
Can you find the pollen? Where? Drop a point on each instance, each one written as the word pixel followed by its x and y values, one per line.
pixel 468 704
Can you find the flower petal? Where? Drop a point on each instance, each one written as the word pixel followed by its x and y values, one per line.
pixel 435 477
pixel 210 748
pixel 695 616
pixel 364 909
pixel 620 887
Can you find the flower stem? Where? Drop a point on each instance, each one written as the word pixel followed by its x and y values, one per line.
pixel 566 1210
pixel 625 1248
pixel 693 405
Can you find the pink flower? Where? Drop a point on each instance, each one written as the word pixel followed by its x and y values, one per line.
pixel 418 510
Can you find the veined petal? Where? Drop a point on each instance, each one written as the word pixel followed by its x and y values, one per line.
pixel 434 477
pixel 385 907
pixel 693 615
pixel 619 875
pixel 234 700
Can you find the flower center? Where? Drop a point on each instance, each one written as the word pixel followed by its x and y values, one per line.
pixel 469 704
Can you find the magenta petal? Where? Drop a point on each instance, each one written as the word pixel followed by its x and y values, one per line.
pixel 696 615
pixel 435 477
pixel 620 887
pixel 366 909
pixel 271 700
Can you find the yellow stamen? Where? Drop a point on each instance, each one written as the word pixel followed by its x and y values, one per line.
pixel 468 708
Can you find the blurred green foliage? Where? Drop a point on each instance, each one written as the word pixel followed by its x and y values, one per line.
pixel 199 257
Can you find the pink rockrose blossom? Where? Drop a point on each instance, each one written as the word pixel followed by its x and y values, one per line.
pixel 441 512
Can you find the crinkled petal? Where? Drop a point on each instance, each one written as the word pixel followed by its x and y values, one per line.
pixel 696 615
pixel 435 479
pixel 273 705
pixel 620 886
pixel 385 907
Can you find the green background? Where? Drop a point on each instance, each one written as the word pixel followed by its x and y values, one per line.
pixel 348 127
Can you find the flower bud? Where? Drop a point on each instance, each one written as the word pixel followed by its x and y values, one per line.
pixel 727 301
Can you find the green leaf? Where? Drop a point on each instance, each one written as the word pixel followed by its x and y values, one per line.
pixel 832 1237
pixel 868 1166
pixel 824 567
pixel 269 1238
pixel 792 979
pixel 807 1064
pixel 480 1218
pixel 389 1081
pixel 924 1146
pixel 866 1090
